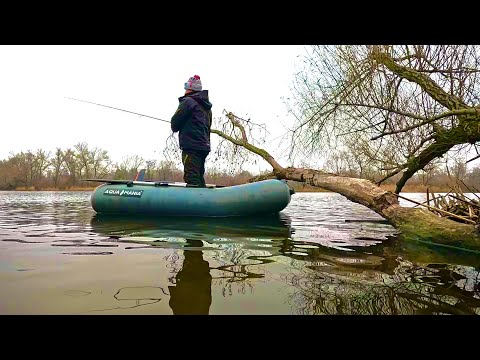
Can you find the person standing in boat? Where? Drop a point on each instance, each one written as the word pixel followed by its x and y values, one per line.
pixel 193 120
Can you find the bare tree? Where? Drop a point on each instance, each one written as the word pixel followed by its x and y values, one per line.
pixel 15 171
pixel 84 162
pixel 428 172
pixel 129 166
pixel 71 165
pixel 473 178
pixel 457 171
pixel 100 162
pixel 420 101
pixel 150 166
pixel 56 163
pixel 166 170
pixel 29 167
pixel 41 163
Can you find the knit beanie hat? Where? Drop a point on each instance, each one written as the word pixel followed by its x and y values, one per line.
pixel 193 83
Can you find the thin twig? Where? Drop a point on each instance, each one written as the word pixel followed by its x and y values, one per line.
pixel 474 158
pixel 470 190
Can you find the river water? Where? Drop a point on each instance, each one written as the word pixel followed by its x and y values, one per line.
pixel 322 255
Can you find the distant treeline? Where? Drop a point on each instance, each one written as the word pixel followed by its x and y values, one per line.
pixel 65 168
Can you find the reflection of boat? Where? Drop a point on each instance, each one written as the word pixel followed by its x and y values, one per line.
pixel 133 197
pixel 268 226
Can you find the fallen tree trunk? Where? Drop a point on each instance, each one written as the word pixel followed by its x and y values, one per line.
pixel 413 223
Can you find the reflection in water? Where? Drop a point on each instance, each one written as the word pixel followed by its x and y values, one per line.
pixel 238 240
pixel 206 229
pixel 387 287
pixel 307 260
pixel 192 293
pixel 326 280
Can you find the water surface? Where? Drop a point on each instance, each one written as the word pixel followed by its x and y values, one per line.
pixel 322 255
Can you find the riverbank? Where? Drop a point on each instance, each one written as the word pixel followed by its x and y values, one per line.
pixel 72 188
pixel 297 187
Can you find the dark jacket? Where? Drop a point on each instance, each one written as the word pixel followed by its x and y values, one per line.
pixel 193 120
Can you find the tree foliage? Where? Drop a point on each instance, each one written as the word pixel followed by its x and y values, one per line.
pixel 405 106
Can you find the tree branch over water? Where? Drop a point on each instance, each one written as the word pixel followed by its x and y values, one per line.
pixel 414 223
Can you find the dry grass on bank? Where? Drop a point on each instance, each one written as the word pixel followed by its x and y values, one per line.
pixel 298 187
pixel 70 188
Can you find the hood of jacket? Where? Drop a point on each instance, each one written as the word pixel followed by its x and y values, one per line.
pixel 201 97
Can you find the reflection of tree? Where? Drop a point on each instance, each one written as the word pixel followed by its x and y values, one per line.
pixel 192 291
pixel 237 270
pixel 237 266
pixel 411 290
pixel 325 279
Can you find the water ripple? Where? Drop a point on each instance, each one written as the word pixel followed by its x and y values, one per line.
pixel 323 253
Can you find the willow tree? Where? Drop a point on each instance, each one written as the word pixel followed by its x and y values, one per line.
pixel 403 106
pixel 407 105
pixel 413 223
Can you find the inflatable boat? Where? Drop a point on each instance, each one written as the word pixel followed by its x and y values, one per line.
pixel 178 199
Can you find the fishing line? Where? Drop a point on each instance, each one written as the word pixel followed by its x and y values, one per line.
pixel 111 107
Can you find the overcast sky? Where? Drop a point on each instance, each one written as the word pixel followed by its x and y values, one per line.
pixel 34 81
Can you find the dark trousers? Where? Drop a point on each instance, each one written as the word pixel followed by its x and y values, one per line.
pixel 194 167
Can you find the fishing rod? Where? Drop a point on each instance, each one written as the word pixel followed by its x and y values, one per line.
pixel 111 107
